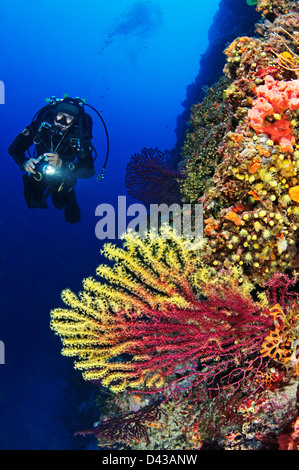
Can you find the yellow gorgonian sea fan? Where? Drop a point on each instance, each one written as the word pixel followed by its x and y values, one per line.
pixel 156 273
pixel 146 318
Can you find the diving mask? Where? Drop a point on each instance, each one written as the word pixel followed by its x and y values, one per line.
pixel 64 119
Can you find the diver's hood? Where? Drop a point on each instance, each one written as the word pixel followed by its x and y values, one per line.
pixel 67 108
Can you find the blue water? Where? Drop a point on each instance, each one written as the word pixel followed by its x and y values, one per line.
pixel 133 61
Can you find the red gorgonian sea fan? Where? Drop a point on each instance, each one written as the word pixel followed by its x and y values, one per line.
pixel 281 289
pixel 161 322
pixel 151 179
pixel 212 346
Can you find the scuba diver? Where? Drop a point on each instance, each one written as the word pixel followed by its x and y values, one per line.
pixel 61 132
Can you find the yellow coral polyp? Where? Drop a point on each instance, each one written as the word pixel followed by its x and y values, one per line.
pixel 266 234
pixel 286 55
pixel 248 258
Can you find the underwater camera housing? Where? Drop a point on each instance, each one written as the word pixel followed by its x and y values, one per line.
pixel 44 167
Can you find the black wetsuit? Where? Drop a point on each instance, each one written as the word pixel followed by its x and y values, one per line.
pixel 77 162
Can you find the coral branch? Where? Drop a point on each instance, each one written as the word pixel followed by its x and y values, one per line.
pixel 127 428
pixel 148 322
pixel 150 178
